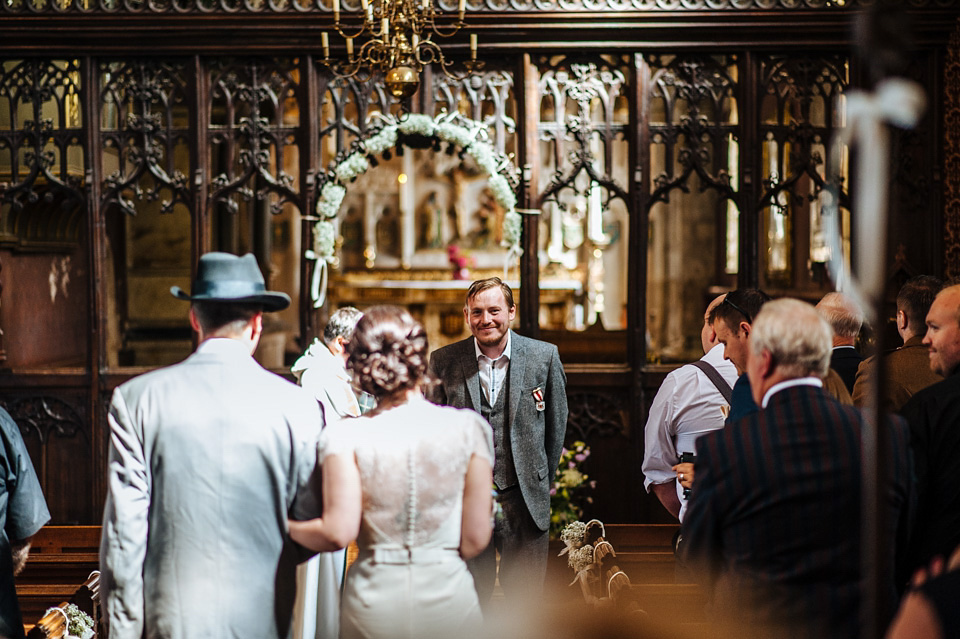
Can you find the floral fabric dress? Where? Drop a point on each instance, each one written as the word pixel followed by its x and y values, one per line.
pixel 409 579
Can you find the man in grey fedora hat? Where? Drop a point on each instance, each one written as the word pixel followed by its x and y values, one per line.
pixel 208 458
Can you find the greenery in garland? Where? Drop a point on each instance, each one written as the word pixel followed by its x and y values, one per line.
pixel 388 131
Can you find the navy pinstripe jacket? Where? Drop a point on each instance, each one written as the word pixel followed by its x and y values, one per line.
pixel 773 521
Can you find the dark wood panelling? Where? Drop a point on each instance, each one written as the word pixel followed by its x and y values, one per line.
pixel 951 160
pixel 58 433
pixel 44 308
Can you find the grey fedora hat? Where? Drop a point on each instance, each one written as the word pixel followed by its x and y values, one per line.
pixel 224 277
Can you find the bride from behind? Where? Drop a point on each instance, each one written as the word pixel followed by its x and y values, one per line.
pixel 415 480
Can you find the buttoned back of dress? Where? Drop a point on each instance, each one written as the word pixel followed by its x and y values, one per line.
pixel 412 461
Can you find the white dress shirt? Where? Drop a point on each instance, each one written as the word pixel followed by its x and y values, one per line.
pixel 687 405
pixel 797 381
pixel 493 372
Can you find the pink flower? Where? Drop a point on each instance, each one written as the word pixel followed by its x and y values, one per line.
pixel 572 465
pixel 553 492
pixel 580 457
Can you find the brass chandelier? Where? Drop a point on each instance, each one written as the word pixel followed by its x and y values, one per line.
pixel 398 42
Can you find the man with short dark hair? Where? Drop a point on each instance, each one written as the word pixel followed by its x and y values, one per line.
pixel 731 319
pixel 773 525
pixel 934 417
pixel 519 386
pixel 208 459
pixel 907 369
pixel 690 402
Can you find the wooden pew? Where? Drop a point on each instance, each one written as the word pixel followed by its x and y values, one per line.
pixel 53 625
pixel 61 558
pixel 645 553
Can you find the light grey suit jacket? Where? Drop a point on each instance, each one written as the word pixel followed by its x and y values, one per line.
pixel 207 459
pixel 536 436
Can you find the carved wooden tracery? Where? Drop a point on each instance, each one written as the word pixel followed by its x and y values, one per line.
pixel 47 94
pixel 147 92
pixel 46 417
pixel 951 221
pixel 596 414
pixel 485 97
pixel 176 7
pixel 805 96
pixel 584 83
pixel 250 131
pixel 695 92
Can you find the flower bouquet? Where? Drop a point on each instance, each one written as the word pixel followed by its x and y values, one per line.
pixel 567 493
pixel 587 557
pixel 460 261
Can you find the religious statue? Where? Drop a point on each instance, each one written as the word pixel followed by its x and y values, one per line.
pixel 431 223
pixel 490 215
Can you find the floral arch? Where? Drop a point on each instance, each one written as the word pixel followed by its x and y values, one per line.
pixel 418 131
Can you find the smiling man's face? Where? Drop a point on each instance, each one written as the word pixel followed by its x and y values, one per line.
pixel 943 332
pixel 489 317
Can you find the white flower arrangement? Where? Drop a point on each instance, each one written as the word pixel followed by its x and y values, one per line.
pixel 381 141
pixel 331 196
pixel 79 623
pixel 502 192
pixel 324 240
pixel 580 558
pixel 573 534
pixel 417 124
pixel 484 156
pixel 512 230
pixel 355 164
pixel 467 134
pixel 450 132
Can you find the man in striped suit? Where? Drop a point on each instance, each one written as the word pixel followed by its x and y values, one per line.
pixel 773 522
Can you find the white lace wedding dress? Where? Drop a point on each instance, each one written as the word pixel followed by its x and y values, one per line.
pixel 409 579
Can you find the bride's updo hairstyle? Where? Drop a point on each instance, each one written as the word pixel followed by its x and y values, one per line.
pixel 388 352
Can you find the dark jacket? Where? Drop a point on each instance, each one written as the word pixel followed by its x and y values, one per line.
pixel 773 520
pixel 934 418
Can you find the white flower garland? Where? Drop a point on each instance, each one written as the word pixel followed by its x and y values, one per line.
pixel 417 124
pixel 470 138
pixel 324 239
pixel 331 196
pixel 380 142
pixel 355 164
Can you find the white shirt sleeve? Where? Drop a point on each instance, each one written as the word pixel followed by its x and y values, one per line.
pixel 659 451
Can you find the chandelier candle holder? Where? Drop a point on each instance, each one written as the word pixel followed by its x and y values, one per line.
pixel 398 41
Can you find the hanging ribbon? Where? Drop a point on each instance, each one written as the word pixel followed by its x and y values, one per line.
pixel 318 284
pixel 895 101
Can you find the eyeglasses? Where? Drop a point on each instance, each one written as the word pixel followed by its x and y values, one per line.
pixel 726 300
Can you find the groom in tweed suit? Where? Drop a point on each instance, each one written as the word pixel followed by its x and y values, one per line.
pixel 519 386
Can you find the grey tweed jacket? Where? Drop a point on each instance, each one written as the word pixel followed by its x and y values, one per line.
pixel 536 436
